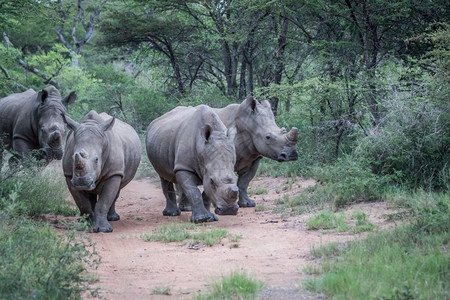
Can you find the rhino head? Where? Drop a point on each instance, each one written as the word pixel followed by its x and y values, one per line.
pixel 217 158
pixel 87 152
pixel 256 123
pixel 50 121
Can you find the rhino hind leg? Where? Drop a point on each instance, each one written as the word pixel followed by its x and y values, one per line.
pixel 245 176
pixel 171 208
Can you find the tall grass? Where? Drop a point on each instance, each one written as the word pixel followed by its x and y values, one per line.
pixel 412 262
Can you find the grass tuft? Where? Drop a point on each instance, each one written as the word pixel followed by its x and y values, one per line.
pixel 236 286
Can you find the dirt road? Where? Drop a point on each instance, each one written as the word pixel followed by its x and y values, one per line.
pixel 272 248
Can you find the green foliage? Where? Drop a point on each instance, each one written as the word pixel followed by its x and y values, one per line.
pixel 177 232
pixel 409 263
pixel 394 261
pixel 239 285
pixel 40 264
pixel 32 192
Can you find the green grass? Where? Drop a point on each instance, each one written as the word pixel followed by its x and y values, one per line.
pixel 161 291
pixel 411 262
pixel 361 223
pixel 239 285
pixel 328 220
pixel 259 191
pixel 178 232
pixel 34 192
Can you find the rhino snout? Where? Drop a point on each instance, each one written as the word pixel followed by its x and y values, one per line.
pixel 287 156
pixel 233 192
pixel 227 210
pixel 83 184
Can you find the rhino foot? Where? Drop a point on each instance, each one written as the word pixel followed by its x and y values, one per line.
pixel 246 203
pixel 210 217
pixel 102 228
pixel 171 213
pixel 113 217
pixel 185 207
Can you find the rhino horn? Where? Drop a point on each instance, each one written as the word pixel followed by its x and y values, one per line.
pixel 292 135
pixel 79 164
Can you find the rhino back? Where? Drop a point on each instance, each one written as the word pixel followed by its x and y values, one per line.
pixel 16 115
pixel 125 151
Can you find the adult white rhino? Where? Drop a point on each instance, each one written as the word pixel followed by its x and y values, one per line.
pixel 190 146
pixel 33 120
pixel 101 156
pixel 257 136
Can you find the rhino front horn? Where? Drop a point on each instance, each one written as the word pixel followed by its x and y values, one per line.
pixel 292 135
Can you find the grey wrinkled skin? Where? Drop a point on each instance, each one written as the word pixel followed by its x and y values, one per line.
pixel 101 156
pixel 257 136
pixel 190 146
pixel 33 120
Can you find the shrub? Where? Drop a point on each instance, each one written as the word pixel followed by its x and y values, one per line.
pixel 37 263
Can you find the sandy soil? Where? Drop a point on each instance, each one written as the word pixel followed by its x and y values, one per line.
pixel 273 248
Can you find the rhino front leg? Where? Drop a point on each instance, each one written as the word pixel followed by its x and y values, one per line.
pixel 112 214
pixel 85 201
pixel 188 183
pixel 183 202
pixel 108 194
pixel 171 208
pixel 245 176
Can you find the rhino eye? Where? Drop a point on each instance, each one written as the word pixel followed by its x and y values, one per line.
pixel 268 136
pixel 96 160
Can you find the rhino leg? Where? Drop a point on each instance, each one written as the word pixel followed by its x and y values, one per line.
pixel 112 214
pixel 171 201
pixel 108 194
pixel 207 204
pixel 245 176
pixel 183 202
pixel 83 200
pixel 188 183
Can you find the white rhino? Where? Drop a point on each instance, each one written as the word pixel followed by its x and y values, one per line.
pixel 257 136
pixel 101 156
pixel 33 120
pixel 190 146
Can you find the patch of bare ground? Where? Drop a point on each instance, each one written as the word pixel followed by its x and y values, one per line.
pixel 273 248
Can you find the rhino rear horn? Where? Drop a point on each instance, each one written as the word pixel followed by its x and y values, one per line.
pixel 292 135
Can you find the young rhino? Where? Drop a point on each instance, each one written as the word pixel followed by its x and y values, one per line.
pixel 190 146
pixel 101 156
pixel 33 120
pixel 257 136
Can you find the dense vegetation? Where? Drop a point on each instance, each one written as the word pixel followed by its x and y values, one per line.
pixel 366 82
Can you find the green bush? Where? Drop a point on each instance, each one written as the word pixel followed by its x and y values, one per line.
pixel 31 191
pixel 37 263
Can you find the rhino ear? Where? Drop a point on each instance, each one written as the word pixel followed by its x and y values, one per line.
pixel 107 125
pixel 69 99
pixel 42 96
pixel 251 102
pixel 206 132
pixel 70 123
